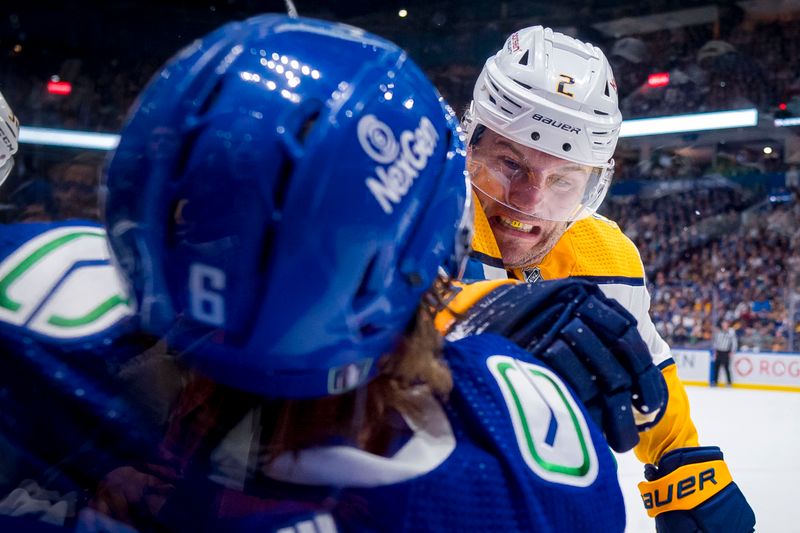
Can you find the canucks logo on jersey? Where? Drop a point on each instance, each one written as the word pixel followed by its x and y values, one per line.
pixel 57 281
pixel 551 431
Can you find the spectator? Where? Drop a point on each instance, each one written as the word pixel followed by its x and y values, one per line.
pixel 75 188
pixel 630 59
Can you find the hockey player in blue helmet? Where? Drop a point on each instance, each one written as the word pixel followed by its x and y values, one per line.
pixel 294 239
pixel 321 343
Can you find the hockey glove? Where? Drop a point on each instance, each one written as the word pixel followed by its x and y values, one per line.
pixel 588 339
pixel 691 490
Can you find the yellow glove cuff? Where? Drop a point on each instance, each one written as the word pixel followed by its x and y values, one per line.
pixel 685 488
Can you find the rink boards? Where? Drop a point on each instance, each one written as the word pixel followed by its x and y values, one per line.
pixel 752 370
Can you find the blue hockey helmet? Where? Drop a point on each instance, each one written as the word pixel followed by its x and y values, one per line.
pixel 283 193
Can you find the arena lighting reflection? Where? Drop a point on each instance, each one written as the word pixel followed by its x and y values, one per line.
pixel 68 138
pixel 641 127
pixel 786 122
pixel 741 118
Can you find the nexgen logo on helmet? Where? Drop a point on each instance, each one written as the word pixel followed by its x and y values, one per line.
pixel 399 163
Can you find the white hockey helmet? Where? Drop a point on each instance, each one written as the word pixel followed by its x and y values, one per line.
pixel 9 133
pixel 557 95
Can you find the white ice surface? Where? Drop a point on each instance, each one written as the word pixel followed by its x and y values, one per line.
pixel 759 433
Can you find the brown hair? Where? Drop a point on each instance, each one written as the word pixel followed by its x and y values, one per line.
pixel 366 417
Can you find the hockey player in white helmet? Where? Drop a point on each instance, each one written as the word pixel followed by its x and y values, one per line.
pixel 542 129
pixel 9 135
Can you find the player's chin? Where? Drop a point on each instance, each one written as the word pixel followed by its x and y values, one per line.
pixel 518 254
pixel 520 249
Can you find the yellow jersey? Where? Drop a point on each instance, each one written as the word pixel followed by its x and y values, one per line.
pixel 596 249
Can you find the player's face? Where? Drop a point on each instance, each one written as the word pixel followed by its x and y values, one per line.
pixel 76 192
pixel 527 195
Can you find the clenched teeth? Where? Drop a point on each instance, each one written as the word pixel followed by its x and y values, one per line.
pixel 516 224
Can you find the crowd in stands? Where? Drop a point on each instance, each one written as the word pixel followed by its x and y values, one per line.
pixel 735 63
pixel 715 258
pixel 101 93
pixel 712 76
pixel 711 67
pixel 663 227
pixel 710 253
pixel 66 188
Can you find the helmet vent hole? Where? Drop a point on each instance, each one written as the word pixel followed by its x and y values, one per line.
pixel 307 126
pixel 266 248
pixel 492 100
pixel 567 147
pixel 602 113
pixel 282 185
pixel 476 135
pixel 522 84
pixel 495 87
pixel 449 140
pixel 535 135
pixel 524 59
pixel 507 111
pixel 510 101
pixel 365 288
pixel 606 91
pixel 187 147
pixel 211 97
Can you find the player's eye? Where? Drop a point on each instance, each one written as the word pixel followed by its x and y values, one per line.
pixel 510 165
pixel 561 183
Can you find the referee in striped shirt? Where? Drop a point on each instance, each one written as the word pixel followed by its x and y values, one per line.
pixel 725 343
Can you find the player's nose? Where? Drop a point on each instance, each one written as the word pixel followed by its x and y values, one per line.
pixel 526 193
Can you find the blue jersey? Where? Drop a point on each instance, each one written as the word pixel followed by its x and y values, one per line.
pixel 58 286
pixel 66 326
pixel 512 450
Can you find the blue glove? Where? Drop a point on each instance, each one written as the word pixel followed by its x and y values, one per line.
pixel 691 490
pixel 588 339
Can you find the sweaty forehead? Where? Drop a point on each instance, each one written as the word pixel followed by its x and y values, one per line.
pixel 493 142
